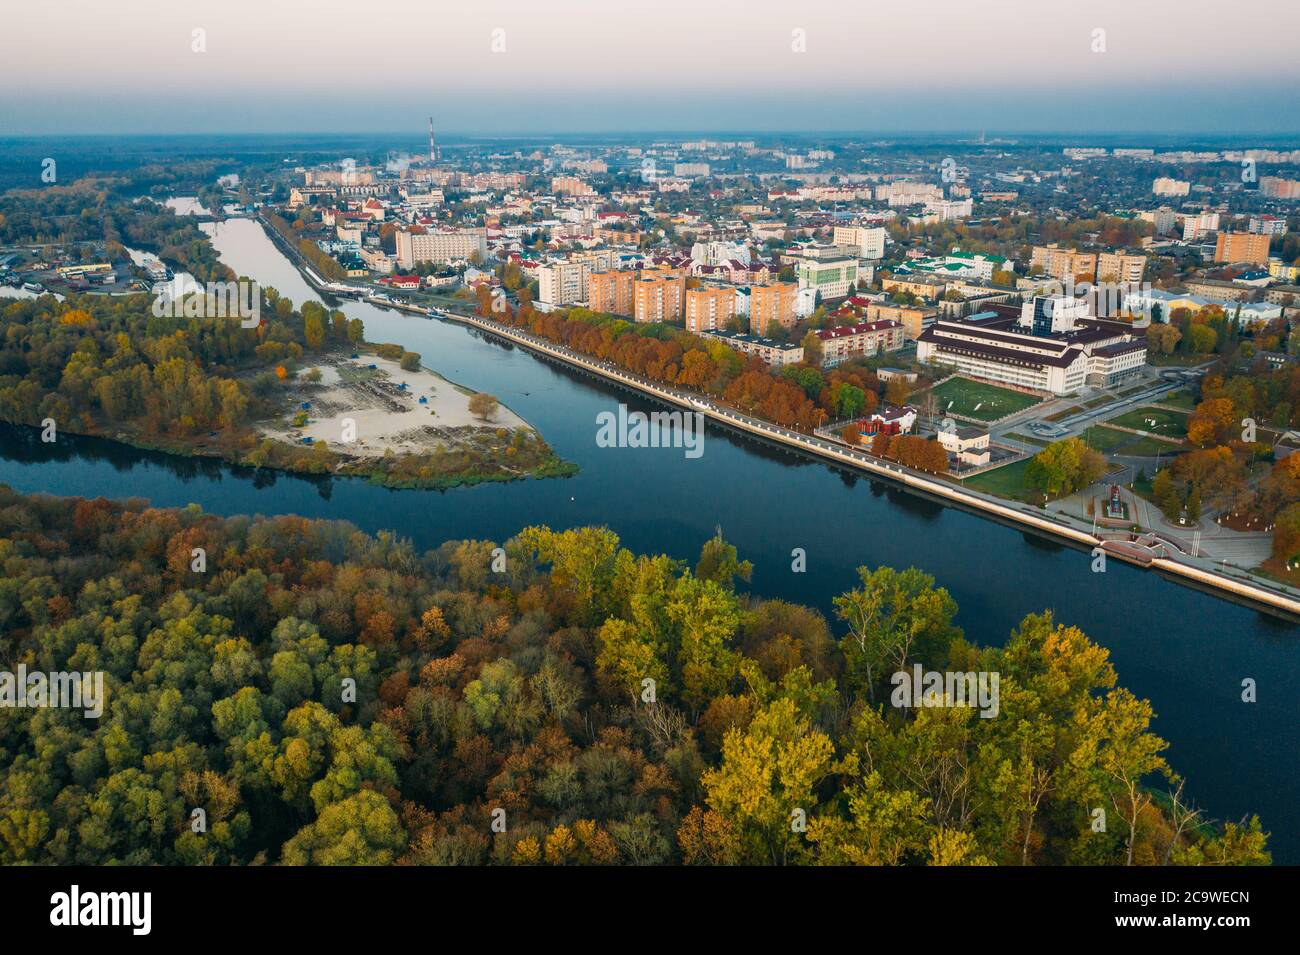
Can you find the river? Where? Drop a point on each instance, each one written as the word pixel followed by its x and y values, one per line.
pixel 1187 651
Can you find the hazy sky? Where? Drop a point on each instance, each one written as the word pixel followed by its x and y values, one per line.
pixel 90 66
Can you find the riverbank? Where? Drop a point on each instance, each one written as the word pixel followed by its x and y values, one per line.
pixel 371 406
pixel 1059 526
pixel 1282 601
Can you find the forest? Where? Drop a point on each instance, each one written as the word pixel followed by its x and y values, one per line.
pixel 118 210
pixel 109 366
pixel 286 691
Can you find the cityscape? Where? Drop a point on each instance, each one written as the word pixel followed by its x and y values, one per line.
pixel 668 482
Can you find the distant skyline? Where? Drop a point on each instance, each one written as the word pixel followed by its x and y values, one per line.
pixel 575 66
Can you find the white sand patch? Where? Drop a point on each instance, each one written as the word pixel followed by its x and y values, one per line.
pixel 387 416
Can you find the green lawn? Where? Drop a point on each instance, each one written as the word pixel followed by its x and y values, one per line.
pixel 1168 424
pixel 1177 360
pixel 983 402
pixel 1180 399
pixel 1107 440
pixel 1113 441
pixel 1008 481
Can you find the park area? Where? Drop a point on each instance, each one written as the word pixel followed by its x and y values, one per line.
pixel 979 400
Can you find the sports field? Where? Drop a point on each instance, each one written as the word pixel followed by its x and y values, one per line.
pixel 981 401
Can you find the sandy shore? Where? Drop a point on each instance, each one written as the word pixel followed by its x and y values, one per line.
pixel 369 391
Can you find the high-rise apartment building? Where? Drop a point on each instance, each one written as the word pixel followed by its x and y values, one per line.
pixel 562 283
pixel 1242 247
pixel 1277 188
pixel 658 296
pixel 1119 267
pixel 1062 263
pixel 611 292
pixel 770 305
pixel 867 243
pixel 709 308
pixel 570 186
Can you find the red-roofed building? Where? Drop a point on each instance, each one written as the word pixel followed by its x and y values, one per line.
pixel 855 341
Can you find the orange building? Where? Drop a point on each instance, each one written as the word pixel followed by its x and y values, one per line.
pixel 658 295
pixel 771 304
pixel 1242 247
pixel 709 308
pixel 611 292
pixel 611 236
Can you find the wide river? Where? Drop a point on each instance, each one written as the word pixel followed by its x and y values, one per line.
pixel 1187 651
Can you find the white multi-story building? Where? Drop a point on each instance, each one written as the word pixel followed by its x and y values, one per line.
pixel 1163 219
pixel 1267 225
pixel 1051 349
pixel 1200 224
pixel 805 302
pixel 946 209
pixel 718 253
pixel 907 193
pixel 445 245
pixel 562 283
pixel 1164 186
pixel 866 243
pixel 773 352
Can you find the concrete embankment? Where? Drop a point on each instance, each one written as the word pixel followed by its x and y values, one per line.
pixel 1243 590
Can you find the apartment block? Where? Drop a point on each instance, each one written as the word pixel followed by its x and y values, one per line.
pixel 562 283
pixel 571 186
pixel 914 319
pixel 709 308
pixel 1164 186
pixel 846 342
pixel 1196 226
pixel 1062 263
pixel 867 243
pixel 611 292
pixel 1118 267
pixel 596 260
pixel 1267 225
pixel 658 296
pixel 771 351
pixel 1283 271
pixel 1241 247
pixel 771 305
pixel 1277 188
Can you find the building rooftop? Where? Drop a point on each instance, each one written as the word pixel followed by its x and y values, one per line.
pixel 843 331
